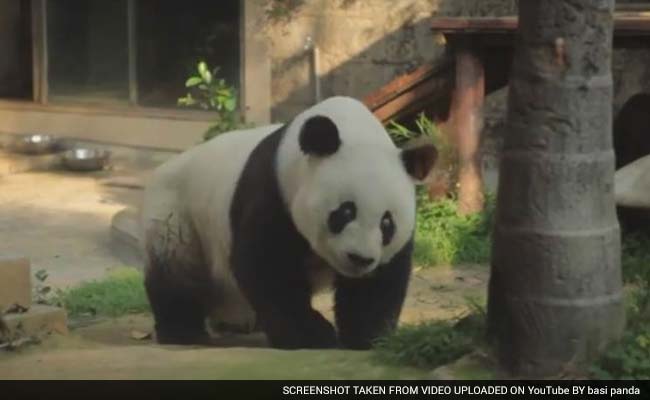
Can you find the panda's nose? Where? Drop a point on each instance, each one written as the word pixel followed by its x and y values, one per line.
pixel 360 261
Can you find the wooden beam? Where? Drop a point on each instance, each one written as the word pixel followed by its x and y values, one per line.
pixel 398 86
pixel 422 93
pixel 628 23
pixel 412 90
pixel 465 124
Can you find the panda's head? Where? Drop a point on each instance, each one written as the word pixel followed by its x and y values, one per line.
pixel 353 197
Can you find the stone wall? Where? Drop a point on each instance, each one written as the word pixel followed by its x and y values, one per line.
pixel 363 44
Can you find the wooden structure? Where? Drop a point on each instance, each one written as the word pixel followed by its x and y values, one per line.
pixel 475 45
pixel 477 62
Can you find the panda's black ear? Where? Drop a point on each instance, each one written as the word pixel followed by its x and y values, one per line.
pixel 319 136
pixel 419 160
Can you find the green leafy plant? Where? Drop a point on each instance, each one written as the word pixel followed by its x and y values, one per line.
pixel 431 344
pixel 629 358
pixel 635 258
pixel 208 92
pixel 423 128
pixel 443 237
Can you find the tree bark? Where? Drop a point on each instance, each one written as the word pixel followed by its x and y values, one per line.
pixel 555 291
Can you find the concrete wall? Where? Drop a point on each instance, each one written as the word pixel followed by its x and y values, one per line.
pixel 363 44
pixel 119 128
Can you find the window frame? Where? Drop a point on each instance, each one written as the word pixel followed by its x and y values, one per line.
pixel 40 96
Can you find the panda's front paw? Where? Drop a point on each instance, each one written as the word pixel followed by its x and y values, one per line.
pixel 322 334
pixel 356 344
pixel 312 331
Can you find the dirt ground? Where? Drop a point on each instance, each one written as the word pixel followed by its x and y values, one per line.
pixel 112 348
pixel 61 222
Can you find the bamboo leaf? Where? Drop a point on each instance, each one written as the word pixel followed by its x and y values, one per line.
pixel 193 81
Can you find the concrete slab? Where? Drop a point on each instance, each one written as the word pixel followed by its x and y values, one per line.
pixel 62 221
pixel 15 283
pixel 632 184
pixel 189 362
pixel 125 236
pixel 38 320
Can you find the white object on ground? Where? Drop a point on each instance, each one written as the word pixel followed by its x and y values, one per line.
pixel 632 184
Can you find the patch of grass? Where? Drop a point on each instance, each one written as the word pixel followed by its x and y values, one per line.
pixel 121 292
pixel 431 344
pixel 629 358
pixel 443 237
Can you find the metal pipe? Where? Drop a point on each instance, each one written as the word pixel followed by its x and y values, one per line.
pixel 314 67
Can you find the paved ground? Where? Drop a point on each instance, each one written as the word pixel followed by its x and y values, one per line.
pixel 61 221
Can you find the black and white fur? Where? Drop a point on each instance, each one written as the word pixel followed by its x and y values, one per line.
pixel 248 226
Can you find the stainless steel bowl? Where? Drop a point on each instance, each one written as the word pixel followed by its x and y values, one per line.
pixel 37 143
pixel 86 159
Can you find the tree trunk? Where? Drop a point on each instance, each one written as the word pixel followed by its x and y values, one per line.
pixel 555 297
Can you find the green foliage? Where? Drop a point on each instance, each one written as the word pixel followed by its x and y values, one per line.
pixel 423 127
pixel 208 92
pixel 432 343
pixel 426 345
pixel 635 258
pixel 282 10
pixel 121 292
pixel 629 358
pixel 443 236
pixel 401 134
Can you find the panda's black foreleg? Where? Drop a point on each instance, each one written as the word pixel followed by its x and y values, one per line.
pixel 366 308
pixel 281 298
pixel 301 329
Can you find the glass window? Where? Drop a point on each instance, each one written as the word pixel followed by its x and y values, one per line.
pixel 118 51
pixel 87 51
pixel 172 36
pixel 15 49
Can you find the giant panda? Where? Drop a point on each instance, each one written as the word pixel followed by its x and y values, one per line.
pixel 246 227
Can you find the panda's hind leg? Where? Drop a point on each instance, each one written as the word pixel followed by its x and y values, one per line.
pixel 178 286
pixel 179 310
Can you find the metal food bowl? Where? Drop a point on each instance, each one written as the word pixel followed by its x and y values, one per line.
pixel 84 159
pixel 36 143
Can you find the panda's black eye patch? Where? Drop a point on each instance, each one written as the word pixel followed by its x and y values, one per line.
pixel 340 217
pixel 387 228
